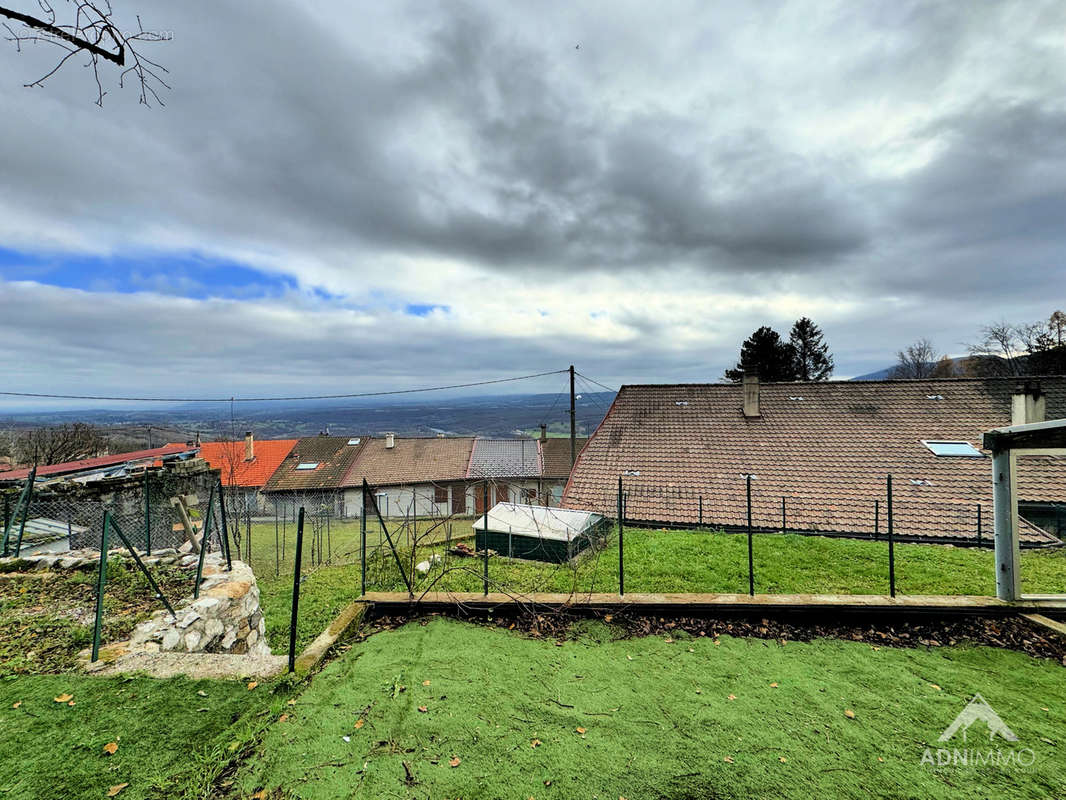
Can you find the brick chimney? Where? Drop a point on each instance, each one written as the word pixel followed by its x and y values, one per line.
pixel 390 441
pixel 750 383
pixel 249 446
pixel 543 432
pixel 1028 404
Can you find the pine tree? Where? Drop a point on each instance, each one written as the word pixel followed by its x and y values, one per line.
pixel 765 352
pixel 813 361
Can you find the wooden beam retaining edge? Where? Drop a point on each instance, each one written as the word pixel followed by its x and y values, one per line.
pixel 720 603
pixel 349 618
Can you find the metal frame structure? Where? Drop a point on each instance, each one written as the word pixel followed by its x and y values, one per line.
pixel 1007 444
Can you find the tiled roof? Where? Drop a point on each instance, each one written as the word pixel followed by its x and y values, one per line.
pixel 99 462
pixel 332 454
pixel 228 458
pixel 556 455
pixel 825 447
pixel 410 461
pixel 505 458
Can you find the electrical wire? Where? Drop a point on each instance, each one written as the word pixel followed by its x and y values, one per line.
pixel 602 386
pixel 232 400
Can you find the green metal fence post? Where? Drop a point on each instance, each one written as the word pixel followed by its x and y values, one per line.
pixel 147 515
pixel 877 519
pixel 784 519
pixel 362 546
pixel 296 590
pixel 978 525
pixel 140 564
pixel 101 581
pixel 25 510
pixel 891 545
pixel 751 557
pixel 485 542
pixel 621 561
pixel 205 541
pixel 222 518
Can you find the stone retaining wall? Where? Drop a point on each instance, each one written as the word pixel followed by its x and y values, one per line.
pixel 90 559
pixel 225 619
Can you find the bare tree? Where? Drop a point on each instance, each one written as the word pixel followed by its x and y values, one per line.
pixel 59 443
pixel 1002 348
pixel 93 32
pixel 1057 328
pixel 918 360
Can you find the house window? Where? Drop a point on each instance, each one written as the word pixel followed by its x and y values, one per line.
pixel 459 500
pixel 440 494
pixel 307 465
pixel 953 449
pixel 529 495
pixel 502 495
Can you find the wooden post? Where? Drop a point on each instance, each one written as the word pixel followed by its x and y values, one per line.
pixel 1005 513
pixel 891 545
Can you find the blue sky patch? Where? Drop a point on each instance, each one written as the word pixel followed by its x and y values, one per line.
pixel 185 275
pixel 424 309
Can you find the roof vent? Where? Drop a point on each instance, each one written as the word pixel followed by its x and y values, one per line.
pixel 632 473
pixel 681 402
pixel 934 397
pixel 795 397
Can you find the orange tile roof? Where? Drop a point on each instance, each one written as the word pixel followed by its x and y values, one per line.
pixel 825 447
pixel 228 458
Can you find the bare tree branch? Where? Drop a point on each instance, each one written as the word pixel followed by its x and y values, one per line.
pixel 94 33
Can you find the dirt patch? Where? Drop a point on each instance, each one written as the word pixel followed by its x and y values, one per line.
pixel 1009 632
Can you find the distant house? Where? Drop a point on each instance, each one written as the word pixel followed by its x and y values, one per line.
pixel 432 476
pixel 246 466
pixel 417 476
pixel 312 474
pixel 823 451
pixel 555 455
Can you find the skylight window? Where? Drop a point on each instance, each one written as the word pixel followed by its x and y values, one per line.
pixel 953 449
pixel 307 465
pixel 353 441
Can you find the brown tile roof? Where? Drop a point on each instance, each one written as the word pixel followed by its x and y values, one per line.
pixel 505 458
pixel 333 455
pixel 410 461
pixel 556 452
pixel 825 447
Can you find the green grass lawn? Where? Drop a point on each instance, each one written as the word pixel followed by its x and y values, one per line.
pixel 671 561
pixel 680 718
pixel 172 740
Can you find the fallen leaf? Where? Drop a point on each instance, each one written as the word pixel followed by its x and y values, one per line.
pixel 629 658
pixel 732 697
pixel 111 748
pixel 114 790
pixel 260 795
pixel 773 685
pixel 16 705
pixel 607 618
pixel 423 709
pixel 880 759
pixel 716 642
pixel 292 702
pixel 283 718
pixel 668 640
pixel 935 686
pixel 455 761
pixel 699 691
pixel 849 713
pixel 359 723
pixel 252 685
pixel 728 759
pixel 70 703
pixel 1042 708
pixel 580 730
pixel 347 738
pixel 202 693
pixel 782 759
pixel 425 683
pixel 691 650
pixel 1047 741
pixel 63 698
pixel 535 743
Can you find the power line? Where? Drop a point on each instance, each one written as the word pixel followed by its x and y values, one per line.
pixel 275 399
pixel 602 386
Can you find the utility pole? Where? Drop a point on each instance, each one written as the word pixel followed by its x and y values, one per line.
pixel 149 437
pixel 573 432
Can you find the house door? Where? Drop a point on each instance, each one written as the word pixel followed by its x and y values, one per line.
pixel 479 498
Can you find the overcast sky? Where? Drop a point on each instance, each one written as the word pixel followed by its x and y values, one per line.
pixel 346 197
